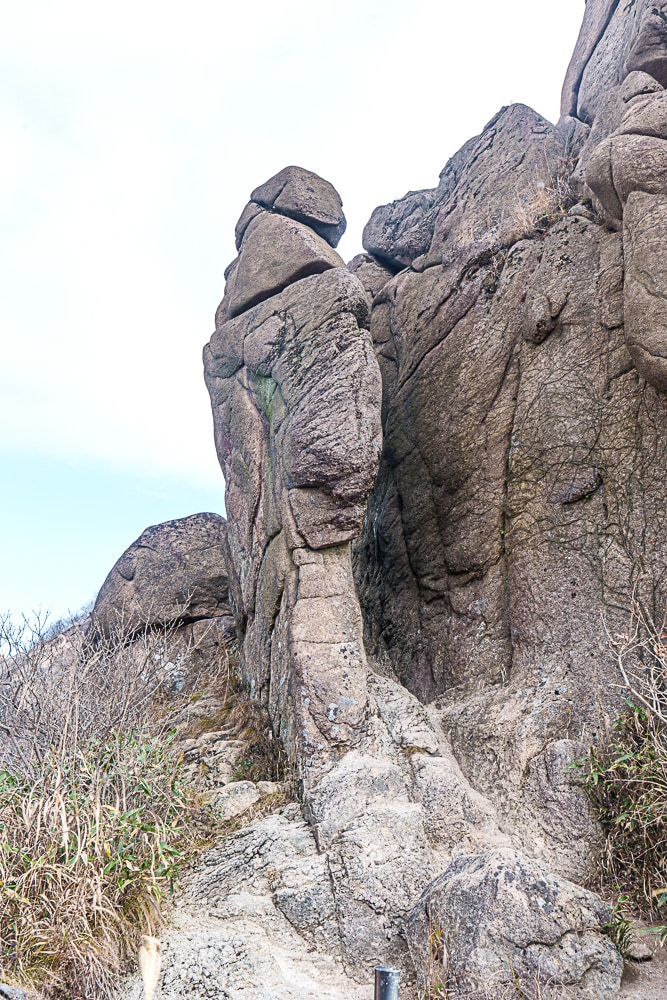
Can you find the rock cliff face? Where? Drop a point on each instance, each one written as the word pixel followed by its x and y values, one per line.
pixel 477 404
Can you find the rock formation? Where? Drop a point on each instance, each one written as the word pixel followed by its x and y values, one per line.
pixel 295 390
pixel 477 406
pixel 520 499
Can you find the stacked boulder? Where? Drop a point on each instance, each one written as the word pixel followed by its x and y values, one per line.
pixel 295 390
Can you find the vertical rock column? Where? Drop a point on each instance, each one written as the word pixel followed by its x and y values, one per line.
pixel 295 391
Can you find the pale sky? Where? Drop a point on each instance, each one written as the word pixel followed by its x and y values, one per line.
pixel 131 137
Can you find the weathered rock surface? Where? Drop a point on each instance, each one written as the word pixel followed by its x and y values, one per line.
pixel 627 173
pixel 492 920
pixel 257 920
pixel 235 798
pixel 621 48
pixel 173 573
pixel 596 20
pixel 12 992
pixel 331 890
pixel 520 491
pixel 371 273
pixel 295 391
pixel 490 194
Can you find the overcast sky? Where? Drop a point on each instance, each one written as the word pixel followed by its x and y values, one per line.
pixel 131 137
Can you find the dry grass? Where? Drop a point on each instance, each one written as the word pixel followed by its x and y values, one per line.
pixel 539 205
pixel 95 819
pixel 626 777
pixel 519 989
pixel 541 201
pixel 58 691
pixel 90 847
pixel 98 814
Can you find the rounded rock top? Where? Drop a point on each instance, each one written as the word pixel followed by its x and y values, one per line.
pixel 305 196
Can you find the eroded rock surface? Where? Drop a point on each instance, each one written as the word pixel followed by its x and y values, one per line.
pixel 324 890
pixel 274 252
pixel 295 390
pixel 520 497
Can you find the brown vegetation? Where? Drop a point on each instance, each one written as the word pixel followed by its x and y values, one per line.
pixel 96 819
pixel 627 777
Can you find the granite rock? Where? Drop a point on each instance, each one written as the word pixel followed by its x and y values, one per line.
pixel 306 197
pixel 275 251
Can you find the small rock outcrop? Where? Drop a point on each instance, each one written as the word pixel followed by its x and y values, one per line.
pixel 497 919
pixel 174 573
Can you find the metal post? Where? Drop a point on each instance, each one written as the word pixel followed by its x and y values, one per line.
pixel 387 983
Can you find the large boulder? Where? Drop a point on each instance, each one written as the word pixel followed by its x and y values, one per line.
pixel 275 252
pixel 307 197
pixel 172 574
pixel 497 920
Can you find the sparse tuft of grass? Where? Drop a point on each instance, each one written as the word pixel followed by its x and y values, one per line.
pixel 620 928
pixel 540 205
